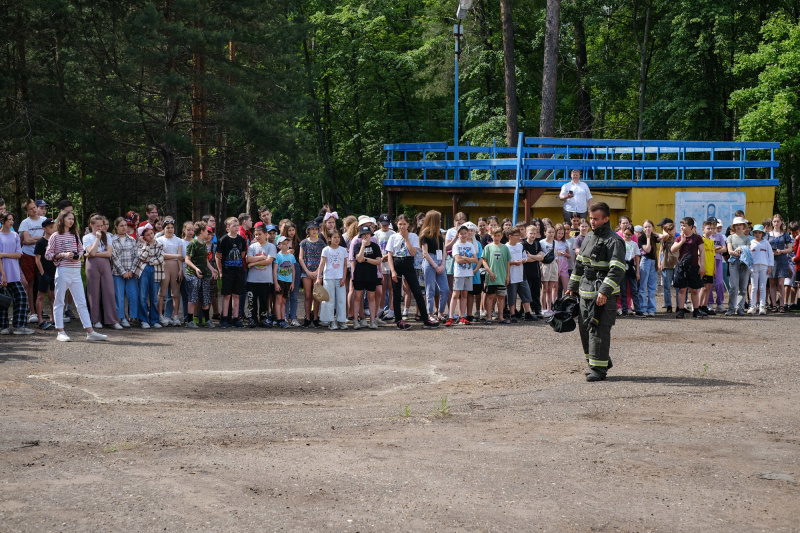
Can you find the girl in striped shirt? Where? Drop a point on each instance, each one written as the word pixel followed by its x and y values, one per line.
pixel 65 250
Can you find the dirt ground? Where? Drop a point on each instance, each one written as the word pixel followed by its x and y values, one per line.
pixel 473 428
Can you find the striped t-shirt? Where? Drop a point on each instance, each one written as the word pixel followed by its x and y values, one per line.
pixel 64 242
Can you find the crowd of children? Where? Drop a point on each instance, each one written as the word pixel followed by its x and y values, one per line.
pixel 145 274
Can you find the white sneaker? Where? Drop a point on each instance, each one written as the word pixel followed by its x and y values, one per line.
pixel 176 321
pixel 95 337
pixel 117 326
pixel 63 337
pixel 364 323
pixel 751 310
pixel 33 319
pixel 66 319
pixel 378 321
pixel 23 331
pixel 157 325
pixel 333 326
pixel 99 325
pixel 145 325
pixel 689 307
pixel 721 309
pixel 164 321
pixel 761 311
pixel 125 323
pixel 389 315
pixel 342 325
pixel 405 314
pixel 5 331
pixel 373 325
pixel 366 312
pixel 209 324
pixel 483 315
pixel 357 324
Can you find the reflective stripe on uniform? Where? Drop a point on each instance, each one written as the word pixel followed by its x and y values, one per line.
pixel 587 356
pixel 597 362
pixel 574 277
pixel 599 264
pixel 587 294
pixel 611 282
pixel 584 259
pixel 615 263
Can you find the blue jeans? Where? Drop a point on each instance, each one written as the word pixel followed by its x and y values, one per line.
pixel 291 301
pixel 130 288
pixel 432 280
pixel 647 285
pixel 631 284
pixel 667 275
pixel 148 288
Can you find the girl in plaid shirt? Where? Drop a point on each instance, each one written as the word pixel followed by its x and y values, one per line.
pixel 150 271
pixel 10 278
pixel 124 258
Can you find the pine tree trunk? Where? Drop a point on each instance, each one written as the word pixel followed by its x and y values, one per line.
pixel 547 121
pixel 510 73
pixel 584 98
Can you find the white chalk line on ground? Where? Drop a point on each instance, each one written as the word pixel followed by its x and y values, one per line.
pixel 59 379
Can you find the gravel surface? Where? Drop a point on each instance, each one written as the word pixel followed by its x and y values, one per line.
pixel 473 428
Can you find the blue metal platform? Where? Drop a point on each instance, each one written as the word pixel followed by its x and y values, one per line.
pixel 609 164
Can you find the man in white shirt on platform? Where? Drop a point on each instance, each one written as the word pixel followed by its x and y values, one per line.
pixel 576 197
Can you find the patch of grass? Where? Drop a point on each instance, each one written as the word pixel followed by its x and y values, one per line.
pixel 405 412
pixel 704 373
pixel 443 408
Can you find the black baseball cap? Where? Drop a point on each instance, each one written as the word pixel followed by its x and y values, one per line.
pixel 312 224
pixel 41 203
pixel 384 219
pixel 47 221
pixel 666 221
pixel 364 230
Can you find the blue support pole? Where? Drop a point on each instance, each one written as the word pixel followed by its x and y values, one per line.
pixel 456 173
pixel 519 177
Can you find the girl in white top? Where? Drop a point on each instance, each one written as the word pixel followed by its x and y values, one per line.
pixel 763 261
pixel 174 253
pixel 99 280
pixel 332 268
pixel 563 255
pixel 549 273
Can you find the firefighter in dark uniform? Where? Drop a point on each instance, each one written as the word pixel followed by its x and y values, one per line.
pixel 599 270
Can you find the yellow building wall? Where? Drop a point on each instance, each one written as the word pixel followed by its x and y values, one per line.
pixel 639 203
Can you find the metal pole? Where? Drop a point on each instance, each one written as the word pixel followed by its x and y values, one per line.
pixel 458 53
pixel 519 177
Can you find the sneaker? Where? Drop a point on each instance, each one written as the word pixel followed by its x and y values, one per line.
pixel 45 325
pixel 224 324
pixel 482 315
pixel 176 321
pixel 342 325
pixel 681 313
pixel 689 306
pixel 164 321
pixel 238 324
pixel 389 315
pixel 651 315
pixel 751 310
pixel 720 309
pixel 514 320
pixel 432 324
pixel 740 312
pixel 380 322
pixel 95 337
pixel 405 316
pixel 357 325
pixel 69 314
pixel 33 319
pixel 265 324
pixel 448 323
pixel 192 324
pixel 324 323
pixel 373 324
pixel 117 325
pixel 464 322
pixel 125 323
pixel 333 326
pixel 669 309
pixel 145 325
pixel 708 312
pixel 23 331
pixel 402 325
pixel 730 312
pixel 621 312
pixel 283 324
pixel 66 319
pixel 306 323
pixel 639 314
pixel 295 323
pixel 530 318
pixel 98 325
pixel 157 326
pixel 697 313
pixel 63 337
pixel 209 324
pixel 367 312
pixel 364 323
pixel 761 311
pixel 315 323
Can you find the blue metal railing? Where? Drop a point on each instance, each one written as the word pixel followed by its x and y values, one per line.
pixel 605 162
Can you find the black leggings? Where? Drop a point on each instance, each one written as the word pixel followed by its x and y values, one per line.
pixel 404 267
pixel 261 293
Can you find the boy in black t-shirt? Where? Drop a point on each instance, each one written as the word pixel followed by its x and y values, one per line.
pixel 532 269
pixel 46 273
pixel 691 267
pixel 231 251
pixel 368 258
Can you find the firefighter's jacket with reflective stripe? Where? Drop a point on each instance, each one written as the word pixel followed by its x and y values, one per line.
pixel 600 266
